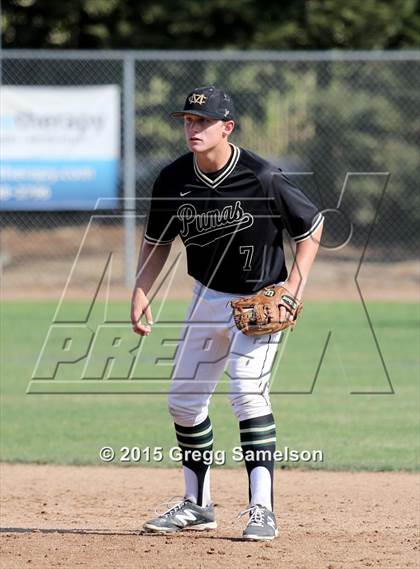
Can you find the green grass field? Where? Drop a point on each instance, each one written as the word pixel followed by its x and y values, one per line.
pixel 373 430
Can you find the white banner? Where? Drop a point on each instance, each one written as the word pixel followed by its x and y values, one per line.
pixel 59 146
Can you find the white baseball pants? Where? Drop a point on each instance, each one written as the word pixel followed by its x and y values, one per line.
pixel 209 343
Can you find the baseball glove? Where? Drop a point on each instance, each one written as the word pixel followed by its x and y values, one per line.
pixel 260 314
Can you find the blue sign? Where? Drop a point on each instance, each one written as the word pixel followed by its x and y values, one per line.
pixel 57 185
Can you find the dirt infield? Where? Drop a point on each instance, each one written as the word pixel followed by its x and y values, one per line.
pixel 59 516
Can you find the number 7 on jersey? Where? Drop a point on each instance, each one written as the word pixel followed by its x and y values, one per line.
pixel 247 250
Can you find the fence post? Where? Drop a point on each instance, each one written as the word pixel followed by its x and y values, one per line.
pixel 129 175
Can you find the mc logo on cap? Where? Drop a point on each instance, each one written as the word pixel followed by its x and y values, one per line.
pixel 198 99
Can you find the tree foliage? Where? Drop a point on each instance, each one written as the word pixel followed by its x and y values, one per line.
pixel 194 24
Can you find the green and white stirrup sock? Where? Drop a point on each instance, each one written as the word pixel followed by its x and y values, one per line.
pixel 258 442
pixel 196 444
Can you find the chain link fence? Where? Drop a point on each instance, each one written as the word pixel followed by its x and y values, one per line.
pixel 345 125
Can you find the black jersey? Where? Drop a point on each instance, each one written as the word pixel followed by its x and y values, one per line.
pixel 231 221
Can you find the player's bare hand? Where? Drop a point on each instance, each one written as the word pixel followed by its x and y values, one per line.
pixel 140 308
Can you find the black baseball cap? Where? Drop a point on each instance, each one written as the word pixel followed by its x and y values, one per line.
pixel 208 102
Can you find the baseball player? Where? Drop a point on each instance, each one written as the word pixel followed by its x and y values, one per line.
pixel 229 207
